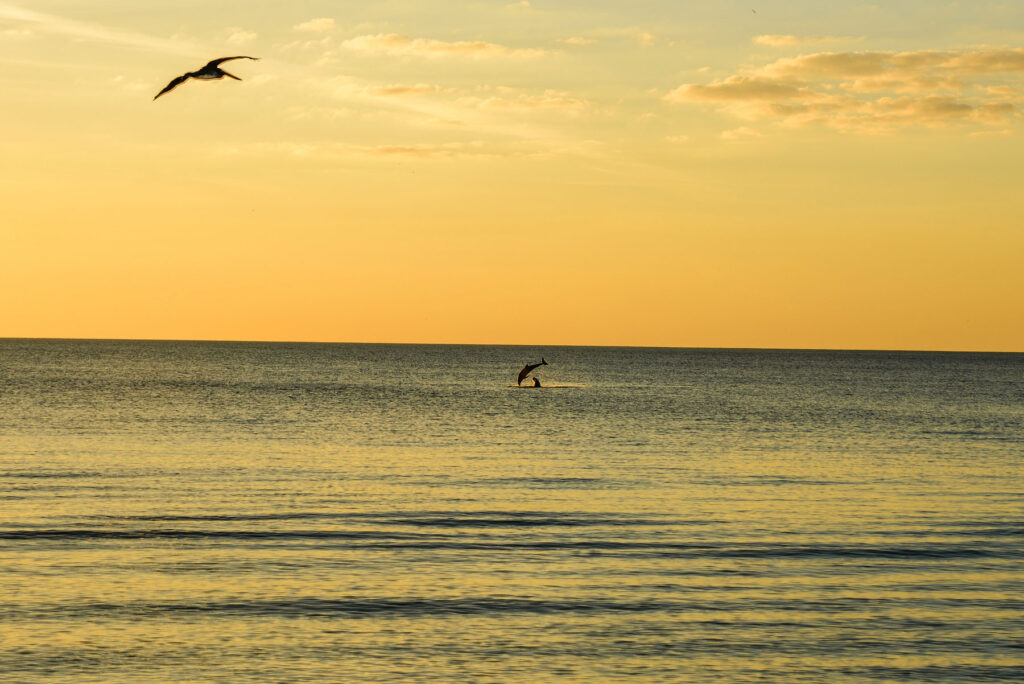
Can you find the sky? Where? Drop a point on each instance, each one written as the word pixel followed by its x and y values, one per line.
pixel 784 174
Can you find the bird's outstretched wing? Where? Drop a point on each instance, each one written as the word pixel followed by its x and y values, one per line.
pixel 215 62
pixel 173 84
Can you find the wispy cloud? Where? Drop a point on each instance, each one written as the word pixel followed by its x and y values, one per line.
pixel 237 36
pixel 473 150
pixel 130 84
pixel 784 41
pixel 400 89
pixel 428 105
pixel 645 38
pixel 576 40
pixel 990 133
pixel 448 150
pixel 395 44
pixel 741 133
pixel 515 99
pixel 338 150
pixel 318 25
pixel 870 91
pixel 483 106
pixel 736 88
pixel 946 62
pixel 53 24
pixel 16 32
pixel 635 34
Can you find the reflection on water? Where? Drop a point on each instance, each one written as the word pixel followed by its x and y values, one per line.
pixel 256 512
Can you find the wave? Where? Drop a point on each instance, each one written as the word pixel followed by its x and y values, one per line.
pixel 51 474
pixel 439 542
pixel 740 610
pixel 435 518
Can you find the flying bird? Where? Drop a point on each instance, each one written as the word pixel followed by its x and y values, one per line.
pixel 529 367
pixel 209 72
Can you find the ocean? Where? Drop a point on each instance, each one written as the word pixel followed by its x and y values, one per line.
pixel 263 512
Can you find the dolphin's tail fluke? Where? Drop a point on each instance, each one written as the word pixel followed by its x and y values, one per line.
pixel 543 362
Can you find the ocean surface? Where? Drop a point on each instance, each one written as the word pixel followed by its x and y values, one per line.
pixel 245 512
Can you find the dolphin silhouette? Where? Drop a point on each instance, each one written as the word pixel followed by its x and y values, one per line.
pixel 529 367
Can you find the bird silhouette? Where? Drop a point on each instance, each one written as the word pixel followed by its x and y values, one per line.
pixel 209 72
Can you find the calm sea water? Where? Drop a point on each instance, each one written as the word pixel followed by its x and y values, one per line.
pixel 221 512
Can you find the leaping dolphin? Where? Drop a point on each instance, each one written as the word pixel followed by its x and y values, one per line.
pixel 529 367
pixel 209 72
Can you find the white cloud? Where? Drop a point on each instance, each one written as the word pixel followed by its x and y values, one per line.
pixel 318 25
pixel 738 88
pixel 130 84
pixel 633 34
pixel 337 150
pixel 400 89
pixel 512 99
pixel 241 36
pixel 320 113
pixel 484 97
pixel 868 63
pixel 741 133
pixel 870 91
pixel 987 134
pixel 398 45
pixel 423 151
pixel 784 41
pixel 1003 90
pixel 323 45
pixel 576 40
pixel 263 79
pixel 775 40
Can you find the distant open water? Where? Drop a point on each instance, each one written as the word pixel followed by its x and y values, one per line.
pixel 228 512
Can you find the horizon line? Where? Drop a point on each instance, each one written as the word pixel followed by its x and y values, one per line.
pixel 492 344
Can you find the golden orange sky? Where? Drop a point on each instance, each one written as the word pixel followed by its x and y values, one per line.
pixel 671 174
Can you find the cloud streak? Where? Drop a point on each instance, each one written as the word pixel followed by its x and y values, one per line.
pixel 328 150
pixel 56 25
